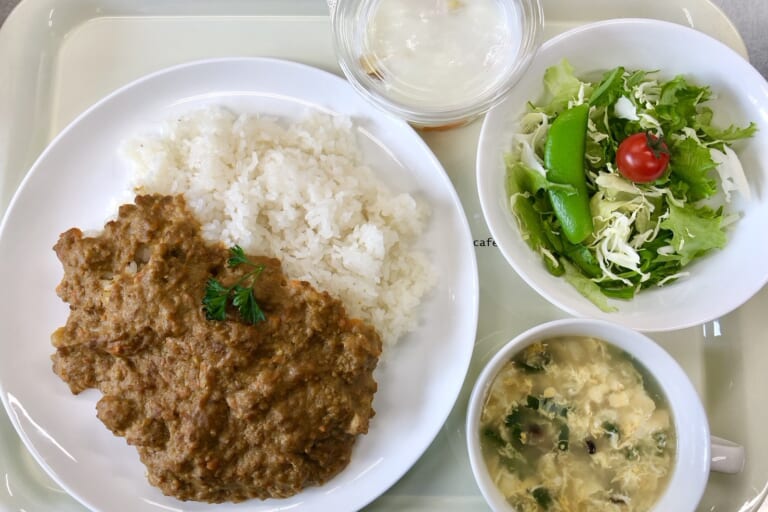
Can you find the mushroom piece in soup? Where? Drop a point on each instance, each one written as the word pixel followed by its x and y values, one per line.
pixel 576 424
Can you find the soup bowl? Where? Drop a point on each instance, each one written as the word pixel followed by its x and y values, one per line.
pixel 694 448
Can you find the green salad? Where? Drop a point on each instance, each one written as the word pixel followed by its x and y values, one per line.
pixel 620 184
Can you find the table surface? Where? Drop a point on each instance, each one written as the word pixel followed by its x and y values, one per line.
pixel 749 16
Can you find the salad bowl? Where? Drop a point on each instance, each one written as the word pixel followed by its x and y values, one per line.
pixel 721 279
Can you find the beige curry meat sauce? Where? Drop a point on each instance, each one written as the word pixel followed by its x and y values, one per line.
pixel 218 410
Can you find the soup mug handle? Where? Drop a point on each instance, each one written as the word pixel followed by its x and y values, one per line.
pixel 727 456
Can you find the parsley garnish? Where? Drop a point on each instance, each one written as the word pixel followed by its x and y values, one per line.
pixel 217 296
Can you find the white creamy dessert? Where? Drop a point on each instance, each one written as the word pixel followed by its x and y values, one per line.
pixel 440 54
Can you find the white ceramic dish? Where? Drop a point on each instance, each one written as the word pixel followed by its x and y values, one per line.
pixel 78 176
pixel 723 280
pixel 692 457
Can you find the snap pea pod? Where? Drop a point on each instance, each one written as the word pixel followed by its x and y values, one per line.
pixel 564 160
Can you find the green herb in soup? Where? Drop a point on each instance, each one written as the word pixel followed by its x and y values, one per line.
pixel 574 424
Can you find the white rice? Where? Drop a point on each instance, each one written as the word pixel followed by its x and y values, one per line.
pixel 301 193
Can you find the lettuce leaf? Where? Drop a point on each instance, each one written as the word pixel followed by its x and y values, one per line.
pixel 586 286
pixel 695 231
pixel 731 133
pixel 635 78
pixel 562 85
pixel 692 163
pixel 522 184
pixel 678 104
pixel 610 88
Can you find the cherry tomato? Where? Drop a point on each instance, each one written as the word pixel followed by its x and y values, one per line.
pixel 642 157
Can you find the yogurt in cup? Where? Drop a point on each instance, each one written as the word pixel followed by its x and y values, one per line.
pixel 696 452
pixel 435 63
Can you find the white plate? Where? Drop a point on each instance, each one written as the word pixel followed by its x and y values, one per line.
pixel 73 184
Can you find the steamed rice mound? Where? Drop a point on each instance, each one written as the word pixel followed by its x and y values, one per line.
pixel 299 192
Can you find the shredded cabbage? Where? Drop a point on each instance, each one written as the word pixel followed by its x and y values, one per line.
pixel 645 233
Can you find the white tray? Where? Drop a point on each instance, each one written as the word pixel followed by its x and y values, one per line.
pixel 57 57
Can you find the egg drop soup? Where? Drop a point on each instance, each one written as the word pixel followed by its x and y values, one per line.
pixel 575 424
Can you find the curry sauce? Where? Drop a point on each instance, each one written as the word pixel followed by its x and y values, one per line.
pixel 217 410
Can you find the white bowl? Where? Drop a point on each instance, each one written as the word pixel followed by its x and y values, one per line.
pixel 719 282
pixel 692 456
